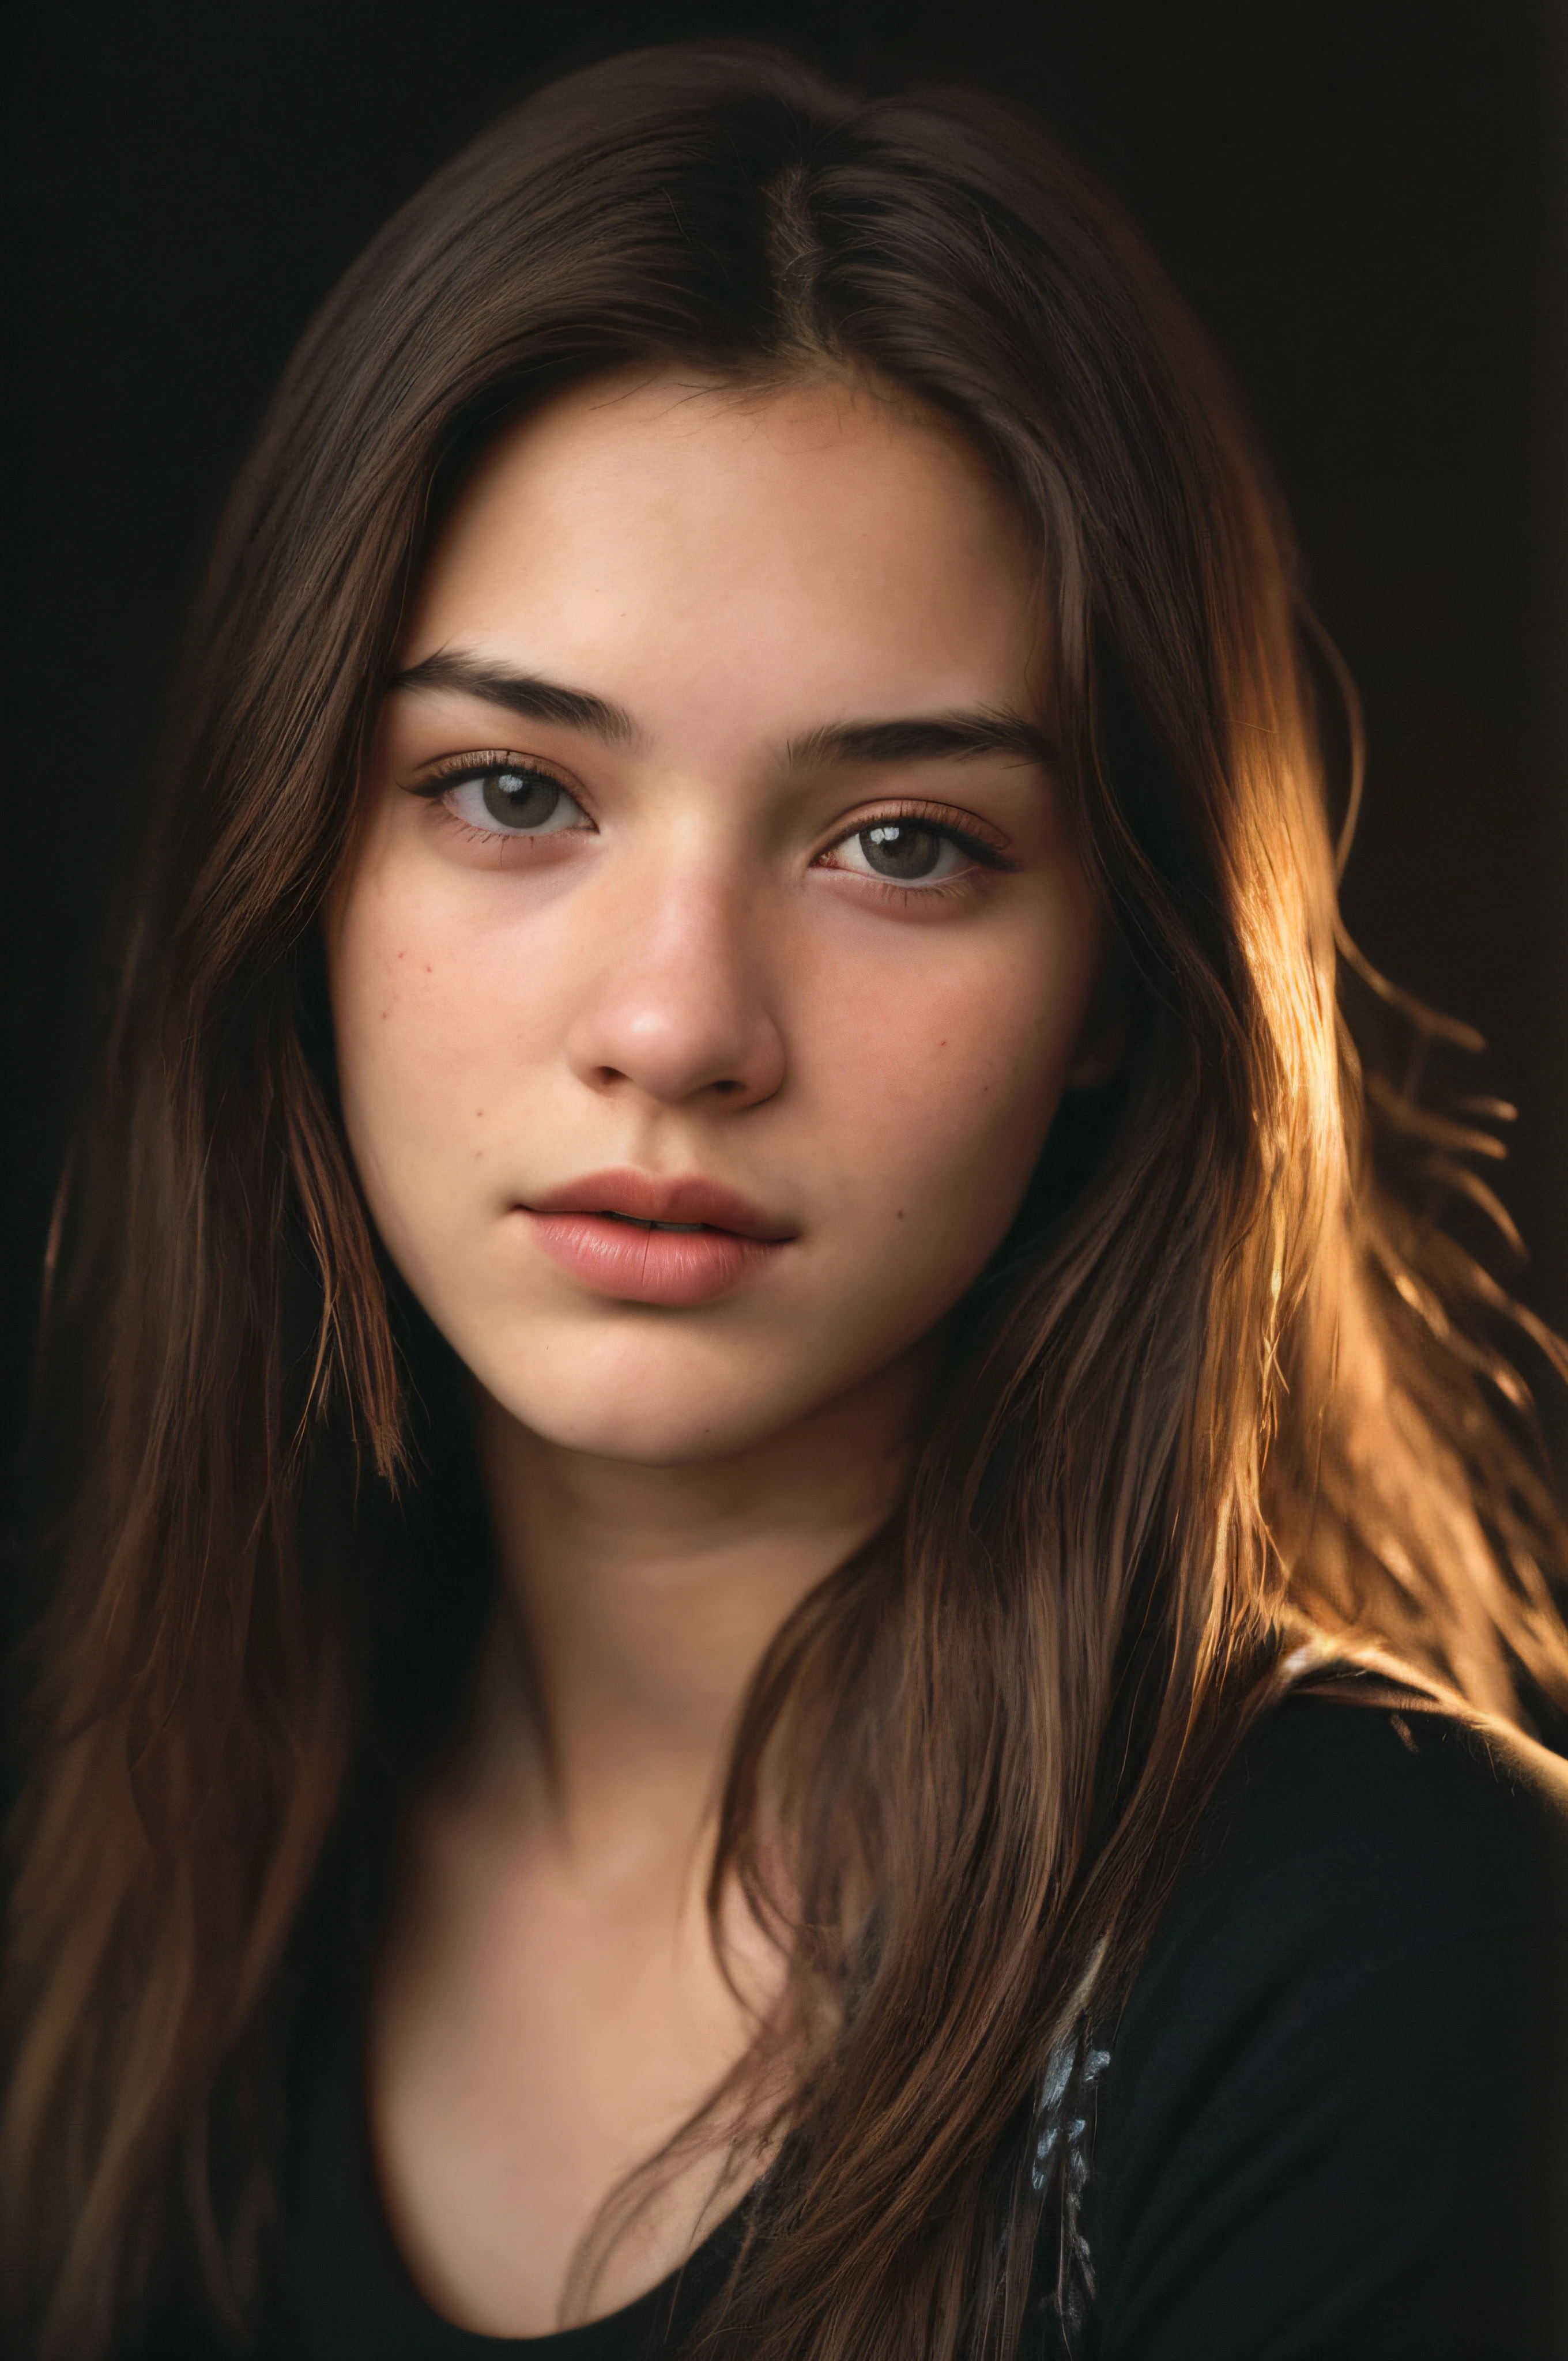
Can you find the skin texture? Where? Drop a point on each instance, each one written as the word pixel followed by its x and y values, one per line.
pixel 699 974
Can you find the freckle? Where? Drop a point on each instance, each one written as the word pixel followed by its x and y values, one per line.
pixel 428 969
pixel 385 1013
pixel 900 1213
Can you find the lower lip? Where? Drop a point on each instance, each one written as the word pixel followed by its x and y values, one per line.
pixel 643 1266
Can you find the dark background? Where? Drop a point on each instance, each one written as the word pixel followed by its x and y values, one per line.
pixel 1367 200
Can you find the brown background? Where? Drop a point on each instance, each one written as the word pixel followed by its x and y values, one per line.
pixel 1367 200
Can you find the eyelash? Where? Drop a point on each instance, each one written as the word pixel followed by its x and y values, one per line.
pixel 979 849
pixel 459 769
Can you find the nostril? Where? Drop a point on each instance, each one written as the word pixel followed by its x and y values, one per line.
pixel 690 1052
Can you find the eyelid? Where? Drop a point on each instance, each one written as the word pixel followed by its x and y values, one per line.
pixel 452 770
pixel 961 828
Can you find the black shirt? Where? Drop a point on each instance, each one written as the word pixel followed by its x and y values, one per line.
pixel 1331 2123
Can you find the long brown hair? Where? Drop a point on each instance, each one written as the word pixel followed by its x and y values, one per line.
pixel 1217 1395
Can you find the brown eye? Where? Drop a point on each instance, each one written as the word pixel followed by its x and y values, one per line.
pixel 514 800
pixel 521 798
pixel 904 853
pixel 901 849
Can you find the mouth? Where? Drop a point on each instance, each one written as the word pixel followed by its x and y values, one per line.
pixel 676 1229
pixel 642 1238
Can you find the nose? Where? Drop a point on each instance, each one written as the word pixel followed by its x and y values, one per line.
pixel 678 1009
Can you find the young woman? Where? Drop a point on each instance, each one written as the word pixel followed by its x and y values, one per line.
pixel 784 1621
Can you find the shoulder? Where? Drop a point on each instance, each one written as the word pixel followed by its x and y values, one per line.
pixel 1334 2118
pixel 1347 1844
pixel 1361 1833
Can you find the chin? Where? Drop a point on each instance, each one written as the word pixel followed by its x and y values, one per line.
pixel 674 1435
pixel 666 1409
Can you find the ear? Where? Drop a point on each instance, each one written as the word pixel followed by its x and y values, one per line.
pixel 1103 1041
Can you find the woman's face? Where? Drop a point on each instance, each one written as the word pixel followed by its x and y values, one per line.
pixel 714 875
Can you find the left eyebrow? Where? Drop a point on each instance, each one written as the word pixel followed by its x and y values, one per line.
pixel 522 694
pixel 936 738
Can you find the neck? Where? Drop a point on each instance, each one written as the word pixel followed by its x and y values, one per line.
pixel 637 1601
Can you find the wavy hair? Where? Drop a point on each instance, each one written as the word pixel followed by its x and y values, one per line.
pixel 1220 1398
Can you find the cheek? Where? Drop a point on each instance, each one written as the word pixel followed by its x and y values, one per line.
pixel 947 1078
pixel 419 1004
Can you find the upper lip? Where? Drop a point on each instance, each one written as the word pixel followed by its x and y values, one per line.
pixel 650 1197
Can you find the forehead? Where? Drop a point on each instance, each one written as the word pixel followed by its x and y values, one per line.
pixel 812 547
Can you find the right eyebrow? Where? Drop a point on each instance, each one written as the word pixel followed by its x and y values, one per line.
pixel 925 738
pixel 524 694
